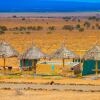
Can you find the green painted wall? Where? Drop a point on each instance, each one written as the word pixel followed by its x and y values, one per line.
pixel 88 67
pixel 27 63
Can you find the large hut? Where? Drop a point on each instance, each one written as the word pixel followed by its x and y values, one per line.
pixel 91 64
pixel 7 51
pixel 30 57
pixel 64 53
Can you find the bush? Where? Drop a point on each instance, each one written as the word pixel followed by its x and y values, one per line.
pixel 23 18
pixel 2 32
pixel 39 27
pixel 27 32
pixel 49 32
pixel 78 26
pixel 68 27
pixel 51 28
pixel 67 18
pixel 87 24
pixel 81 29
pixel 31 28
pixel 3 28
pixel 22 28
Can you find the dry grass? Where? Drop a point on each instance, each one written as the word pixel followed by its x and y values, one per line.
pixel 77 41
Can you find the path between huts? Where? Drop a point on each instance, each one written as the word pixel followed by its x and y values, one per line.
pixel 59 87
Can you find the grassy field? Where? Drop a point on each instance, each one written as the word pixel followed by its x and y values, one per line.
pixel 48 40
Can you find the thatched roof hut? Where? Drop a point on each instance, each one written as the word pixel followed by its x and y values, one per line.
pixel 6 50
pixel 33 53
pixel 93 53
pixel 64 53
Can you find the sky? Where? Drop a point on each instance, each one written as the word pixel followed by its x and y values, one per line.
pixel 81 0
pixel 2 1
pixel 29 5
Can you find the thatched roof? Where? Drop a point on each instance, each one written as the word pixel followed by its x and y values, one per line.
pixel 64 53
pixel 7 50
pixel 93 53
pixel 33 53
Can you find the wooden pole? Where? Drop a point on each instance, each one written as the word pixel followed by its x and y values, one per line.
pixel 35 65
pixel 96 68
pixel 22 65
pixel 4 63
pixel 81 66
pixel 63 62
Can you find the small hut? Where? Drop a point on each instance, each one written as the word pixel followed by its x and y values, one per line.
pixel 30 57
pixel 7 51
pixel 91 64
pixel 64 53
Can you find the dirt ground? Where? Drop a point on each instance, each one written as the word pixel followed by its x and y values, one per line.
pixel 47 95
pixel 87 81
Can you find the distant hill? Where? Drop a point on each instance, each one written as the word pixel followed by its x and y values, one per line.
pixel 47 6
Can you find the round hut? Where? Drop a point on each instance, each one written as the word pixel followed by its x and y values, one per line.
pixel 7 51
pixel 92 61
pixel 64 53
pixel 31 57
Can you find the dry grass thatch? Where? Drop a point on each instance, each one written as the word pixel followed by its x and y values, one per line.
pixel 64 53
pixel 7 50
pixel 93 53
pixel 33 53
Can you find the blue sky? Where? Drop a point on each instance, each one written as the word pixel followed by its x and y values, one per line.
pixel 80 0
pixel 1 1
pixel 30 5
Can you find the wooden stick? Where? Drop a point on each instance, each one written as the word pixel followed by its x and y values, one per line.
pixel 4 63
pixel 63 62
pixel 96 68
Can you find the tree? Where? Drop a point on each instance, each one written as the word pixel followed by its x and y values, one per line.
pixel 87 24
pixel 78 26
pixel 3 28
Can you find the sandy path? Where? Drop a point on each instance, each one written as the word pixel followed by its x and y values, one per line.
pixel 50 87
pixel 48 95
